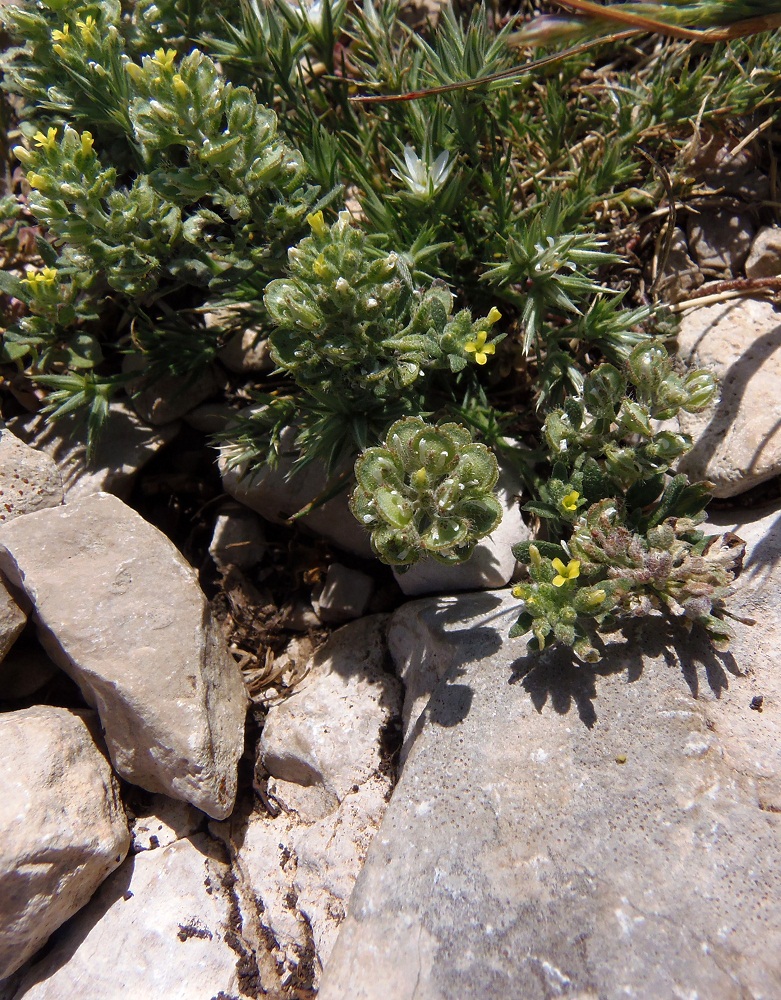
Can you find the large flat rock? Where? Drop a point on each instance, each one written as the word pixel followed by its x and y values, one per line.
pixel 62 826
pixel 567 831
pixel 120 610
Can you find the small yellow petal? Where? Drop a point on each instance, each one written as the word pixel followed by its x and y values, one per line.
pixel 86 143
pixel 493 316
pixel 558 565
pixel 570 501
pixel 317 223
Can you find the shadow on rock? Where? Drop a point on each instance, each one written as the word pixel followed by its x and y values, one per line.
pixel 558 677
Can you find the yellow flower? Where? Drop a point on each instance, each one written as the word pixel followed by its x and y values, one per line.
pixel 180 86
pixel 164 58
pixel 570 501
pixel 317 222
pixel 320 266
pixel 569 572
pixel 36 181
pixel 39 279
pixel 135 72
pixel 48 141
pixel 62 36
pixel 88 29
pixel 479 348
pixel 493 316
pixel 86 143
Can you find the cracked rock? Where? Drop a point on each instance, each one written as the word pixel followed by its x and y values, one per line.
pixel 325 749
pixel 160 927
pixel 12 620
pixel 62 826
pixel 129 623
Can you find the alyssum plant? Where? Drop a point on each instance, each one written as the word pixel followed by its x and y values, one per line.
pixel 162 188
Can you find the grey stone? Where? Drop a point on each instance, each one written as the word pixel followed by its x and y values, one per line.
pixel 764 260
pixel 238 539
pixel 345 594
pixel 131 626
pixel 325 745
pixel 720 239
pixel 276 495
pixel 326 733
pixel 737 441
pixel 12 621
pixel 492 563
pixel 170 397
pixel 62 826
pixel 680 275
pixel 247 352
pixel 563 830
pixel 29 479
pixel 160 927
pixel 124 446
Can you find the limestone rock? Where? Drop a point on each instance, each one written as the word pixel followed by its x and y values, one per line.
pixel 62 826
pixel 327 733
pixel 764 260
pixel 720 239
pixel 247 352
pixel 737 441
pixel 345 594
pixel 125 445
pixel 492 563
pixel 29 479
pixel 159 927
pixel 131 626
pixel 563 830
pixel 238 539
pixel 170 397
pixel 276 497
pixel 163 822
pixel 12 621
pixel 325 749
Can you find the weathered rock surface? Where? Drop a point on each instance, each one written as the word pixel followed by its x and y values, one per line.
pixel 163 822
pixel 238 539
pixel 12 621
pixel 29 479
pixel 168 398
pixel 161 927
pixel 129 623
pixel 125 445
pixel 62 826
pixel 764 260
pixel 325 748
pixel 737 441
pixel 563 830
pixel 681 275
pixel 492 563
pixel 276 497
pixel 246 352
pixel 345 594
pixel 720 239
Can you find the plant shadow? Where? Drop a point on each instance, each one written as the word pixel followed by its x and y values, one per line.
pixel 557 678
